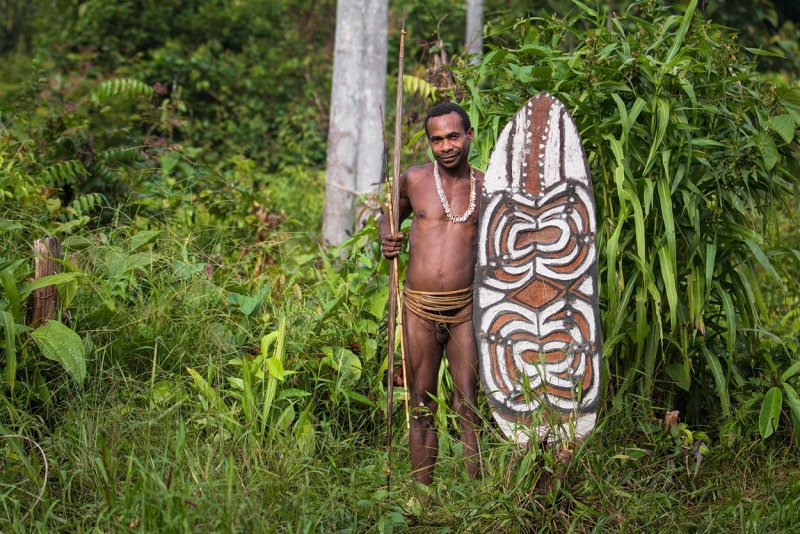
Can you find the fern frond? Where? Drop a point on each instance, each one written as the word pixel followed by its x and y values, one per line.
pixel 85 204
pixel 64 172
pixel 101 170
pixel 124 87
pixel 418 86
pixel 119 155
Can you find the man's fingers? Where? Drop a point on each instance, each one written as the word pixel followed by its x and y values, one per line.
pixel 391 244
pixel 395 238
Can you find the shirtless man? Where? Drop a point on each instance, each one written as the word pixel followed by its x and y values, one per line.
pixel 437 314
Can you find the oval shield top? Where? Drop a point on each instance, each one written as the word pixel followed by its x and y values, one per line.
pixel 536 313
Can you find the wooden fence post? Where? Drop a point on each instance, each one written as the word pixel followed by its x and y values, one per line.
pixel 44 303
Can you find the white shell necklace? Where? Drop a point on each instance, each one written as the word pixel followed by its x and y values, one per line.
pixel 443 198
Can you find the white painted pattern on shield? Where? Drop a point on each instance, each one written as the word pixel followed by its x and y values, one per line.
pixel 495 179
pixel 574 165
pixel 552 158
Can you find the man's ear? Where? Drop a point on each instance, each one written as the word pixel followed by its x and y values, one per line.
pixel 471 133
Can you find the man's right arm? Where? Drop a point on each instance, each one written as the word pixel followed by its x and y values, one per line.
pixel 391 244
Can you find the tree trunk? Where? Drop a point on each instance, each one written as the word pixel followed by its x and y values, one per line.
pixel 370 141
pixel 355 146
pixel 340 177
pixel 44 303
pixel 475 30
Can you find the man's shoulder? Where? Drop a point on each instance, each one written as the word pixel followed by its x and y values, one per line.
pixel 414 175
pixel 420 171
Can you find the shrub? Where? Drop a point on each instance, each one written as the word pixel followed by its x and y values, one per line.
pixel 690 156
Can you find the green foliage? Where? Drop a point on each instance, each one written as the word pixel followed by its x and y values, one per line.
pixel 691 158
pixel 59 343
pixel 232 373
pixel 121 88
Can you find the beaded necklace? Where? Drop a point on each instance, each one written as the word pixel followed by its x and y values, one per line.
pixel 443 198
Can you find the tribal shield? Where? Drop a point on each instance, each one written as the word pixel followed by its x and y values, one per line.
pixel 536 312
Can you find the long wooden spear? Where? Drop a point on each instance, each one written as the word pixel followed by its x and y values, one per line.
pixel 394 222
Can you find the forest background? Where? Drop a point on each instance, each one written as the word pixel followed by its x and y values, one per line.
pixel 216 369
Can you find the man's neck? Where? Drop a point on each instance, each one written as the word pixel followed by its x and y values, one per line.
pixel 459 172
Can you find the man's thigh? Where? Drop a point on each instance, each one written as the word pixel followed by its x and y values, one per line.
pixel 462 359
pixel 423 355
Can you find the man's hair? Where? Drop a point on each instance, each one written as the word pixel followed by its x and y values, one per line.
pixel 446 108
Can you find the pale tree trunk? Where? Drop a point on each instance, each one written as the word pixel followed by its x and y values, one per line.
pixel 475 30
pixel 370 141
pixel 358 86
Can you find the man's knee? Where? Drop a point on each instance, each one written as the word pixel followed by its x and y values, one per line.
pixel 422 412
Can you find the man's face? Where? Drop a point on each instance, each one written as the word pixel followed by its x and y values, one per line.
pixel 449 142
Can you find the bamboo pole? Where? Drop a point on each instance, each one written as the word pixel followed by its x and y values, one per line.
pixel 394 222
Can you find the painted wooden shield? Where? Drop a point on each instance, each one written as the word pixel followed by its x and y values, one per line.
pixel 536 311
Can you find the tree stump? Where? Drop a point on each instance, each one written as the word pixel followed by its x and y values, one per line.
pixel 44 303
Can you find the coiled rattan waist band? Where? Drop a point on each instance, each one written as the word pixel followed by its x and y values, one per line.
pixel 431 305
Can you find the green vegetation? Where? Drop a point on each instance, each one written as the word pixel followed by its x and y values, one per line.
pixel 218 371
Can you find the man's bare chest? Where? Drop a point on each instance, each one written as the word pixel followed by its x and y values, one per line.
pixel 428 204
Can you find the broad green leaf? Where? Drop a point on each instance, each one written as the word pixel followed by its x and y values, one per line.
pixel 623 115
pixel 768 151
pixel 612 247
pixel 710 262
pixel 637 108
pixel 275 367
pixel 61 344
pixel 762 52
pixel 10 287
pixel 349 366
pixel 67 292
pixel 719 380
pixel 792 400
pixel 770 412
pixel 784 125
pixel 267 341
pixel 359 398
pixel 67 227
pixel 304 433
pixel 52 280
pixel 143 238
pixel 638 219
pixel 665 198
pixel 677 373
pixel 10 329
pixel 8 226
pixel 206 391
pixel 790 372
pixel 376 302
pixel 670 282
pixel 586 8
pixel 730 316
pixel 292 393
pixel 681 33
pixel 248 400
pixel 662 120
pixel 272 370
pixel 414 138
pixel 762 259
